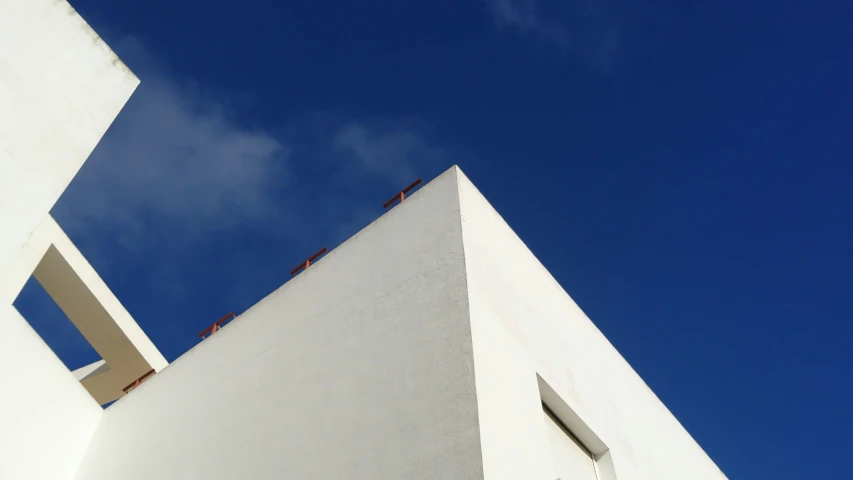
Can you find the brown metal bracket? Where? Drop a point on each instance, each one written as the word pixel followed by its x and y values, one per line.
pixel 307 263
pixel 402 195
pixel 138 381
pixel 216 326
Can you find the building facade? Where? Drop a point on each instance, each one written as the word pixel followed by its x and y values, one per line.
pixel 430 345
pixel 60 89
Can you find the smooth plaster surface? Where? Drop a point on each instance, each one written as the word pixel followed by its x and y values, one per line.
pixel 526 328
pixel 422 348
pixel 60 88
pixel 47 417
pixel 358 368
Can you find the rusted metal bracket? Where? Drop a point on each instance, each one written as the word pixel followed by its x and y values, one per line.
pixel 138 381
pixel 402 195
pixel 307 263
pixel 216 326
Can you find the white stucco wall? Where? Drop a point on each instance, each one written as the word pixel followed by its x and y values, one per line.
pixel 60 88
pixel 422 348
pixel 46 416
pixel 523 325
pixel 360 368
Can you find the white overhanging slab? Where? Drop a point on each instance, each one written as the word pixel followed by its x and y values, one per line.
pixel 86 300
pixel 61 87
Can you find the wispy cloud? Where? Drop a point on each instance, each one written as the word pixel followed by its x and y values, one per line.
pixel 179 159
pixel 596 31
pixel 175 157
pixel 378 151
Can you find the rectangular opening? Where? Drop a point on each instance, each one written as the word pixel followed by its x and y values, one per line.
pixel 50 322
pixel 76 315
pixel 570 437
pixel 572 460
pixel 57 331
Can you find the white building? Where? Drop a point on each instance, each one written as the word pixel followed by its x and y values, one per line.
pixel 431 345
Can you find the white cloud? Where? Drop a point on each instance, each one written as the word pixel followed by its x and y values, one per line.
pixel 521 14
pixel 393 154
pixel 176 157
pixel 177 167
pixel 593 30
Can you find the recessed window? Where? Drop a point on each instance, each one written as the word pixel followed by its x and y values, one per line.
pixel 572 461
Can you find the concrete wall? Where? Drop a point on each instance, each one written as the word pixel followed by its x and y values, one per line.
pixel 60 88
pixel 530 337
pixel 359 368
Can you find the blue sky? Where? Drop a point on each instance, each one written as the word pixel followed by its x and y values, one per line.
pixel 683 169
